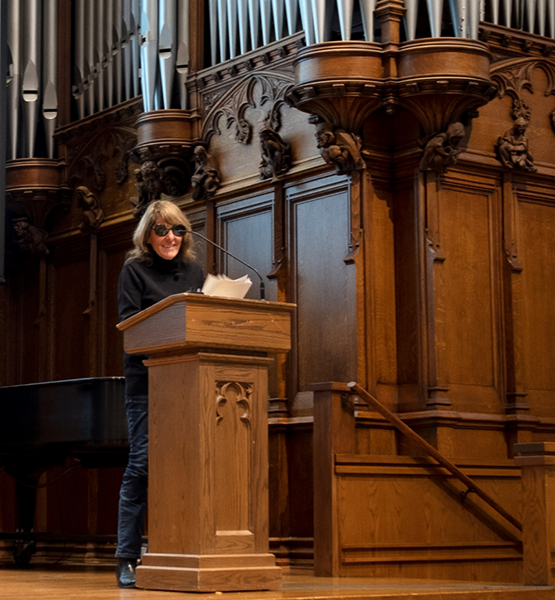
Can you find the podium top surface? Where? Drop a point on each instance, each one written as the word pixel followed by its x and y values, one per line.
pixel 187 321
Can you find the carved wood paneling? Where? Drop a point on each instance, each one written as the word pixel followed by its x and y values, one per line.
pixel 467 296
pixel 322 284
pixel 536 226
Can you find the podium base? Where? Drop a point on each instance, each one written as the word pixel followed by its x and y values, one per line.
pixel 208 573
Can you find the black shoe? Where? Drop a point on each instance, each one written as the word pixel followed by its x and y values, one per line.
pixel 125 572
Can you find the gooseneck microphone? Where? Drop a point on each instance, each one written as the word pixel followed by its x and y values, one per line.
pixel 262 294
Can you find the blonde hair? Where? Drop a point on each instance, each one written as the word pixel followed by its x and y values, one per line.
pixel 172 215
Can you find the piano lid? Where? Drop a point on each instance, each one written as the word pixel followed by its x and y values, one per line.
pixel 90 410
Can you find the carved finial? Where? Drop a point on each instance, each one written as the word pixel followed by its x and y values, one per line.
pixel 337 147
pixel 512 147
pixel 93 215
pixel 442 151
pixel 206 178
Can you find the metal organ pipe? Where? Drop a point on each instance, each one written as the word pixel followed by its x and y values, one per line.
pixel 31 83
pixel 167 49
pixel 232 27
pixel 254 22
pixel 265 19
pixel 242 18
pixel 435 13
pixel 531 14
pixel 291 15
pixel 99 46
pixel 222 29
pixel 411 18
pixel 277 13
pixel 135 42
pixel 345 13
pixel 367 8
pixel 125 49
pixel 182 60
pixel 541 16
pixel 319 19
pixel 14 85
pixel 79 64
pixel 89 59
pixel 494 11
pixel 149 52
pixel 108 54
pixel 116 49
pixel 50 74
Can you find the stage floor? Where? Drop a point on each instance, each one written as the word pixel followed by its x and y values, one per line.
pixel 98 583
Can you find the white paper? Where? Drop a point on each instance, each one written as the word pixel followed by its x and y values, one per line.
pixel 222 285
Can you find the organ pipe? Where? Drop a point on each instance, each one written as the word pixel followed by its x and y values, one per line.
pixel 50 74
pixel 14 85
pixel 149 52
pixel 367 8
pixel 166 49
pixel 31 62
pixel 182 60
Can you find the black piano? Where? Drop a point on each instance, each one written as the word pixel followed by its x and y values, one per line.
pixel 44 424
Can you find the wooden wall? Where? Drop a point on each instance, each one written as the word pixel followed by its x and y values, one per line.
pixel 434 291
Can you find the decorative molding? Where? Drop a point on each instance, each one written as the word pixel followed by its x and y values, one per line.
pixel 233 104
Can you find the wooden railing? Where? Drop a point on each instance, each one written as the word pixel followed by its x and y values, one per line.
pixel 444 462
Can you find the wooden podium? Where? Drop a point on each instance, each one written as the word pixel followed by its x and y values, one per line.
pixel 208 440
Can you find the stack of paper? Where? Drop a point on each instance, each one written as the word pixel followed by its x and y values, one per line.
pixel 222 285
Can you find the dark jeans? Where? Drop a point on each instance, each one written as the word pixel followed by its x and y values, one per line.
pixel 133 492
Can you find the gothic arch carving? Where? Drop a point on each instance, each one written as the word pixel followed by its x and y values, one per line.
pixel 233 104
pixel 89 156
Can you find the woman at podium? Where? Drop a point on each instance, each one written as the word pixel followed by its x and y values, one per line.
pixel 161 263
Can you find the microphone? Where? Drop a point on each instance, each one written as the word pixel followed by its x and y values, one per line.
pixel 262 294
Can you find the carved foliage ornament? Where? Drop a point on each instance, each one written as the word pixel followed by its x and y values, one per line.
pixel 233 104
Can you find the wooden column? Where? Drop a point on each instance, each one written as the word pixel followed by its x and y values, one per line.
pixel 537 462
pixel 334 433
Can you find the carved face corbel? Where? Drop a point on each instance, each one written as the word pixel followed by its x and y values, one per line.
pixel 338 147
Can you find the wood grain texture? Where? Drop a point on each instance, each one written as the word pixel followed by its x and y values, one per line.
pixel 192 320
pixel 208 453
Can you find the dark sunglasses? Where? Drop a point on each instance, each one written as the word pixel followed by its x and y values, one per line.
pixel 162 230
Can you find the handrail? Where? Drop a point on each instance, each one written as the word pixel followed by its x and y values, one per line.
pixel 411 434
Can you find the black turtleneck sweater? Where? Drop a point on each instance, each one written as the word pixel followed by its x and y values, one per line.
pixel 140 286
